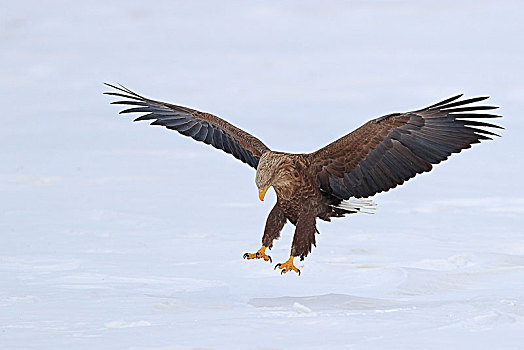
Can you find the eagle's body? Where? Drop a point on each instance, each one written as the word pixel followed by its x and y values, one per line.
pixel 300 200
pixel 376 157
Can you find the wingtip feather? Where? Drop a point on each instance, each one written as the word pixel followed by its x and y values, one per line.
pixel 448 100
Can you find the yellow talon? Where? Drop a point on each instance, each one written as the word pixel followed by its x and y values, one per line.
pixel 288 265
pixel 260 254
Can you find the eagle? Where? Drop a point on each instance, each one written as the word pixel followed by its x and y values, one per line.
pixel 334 180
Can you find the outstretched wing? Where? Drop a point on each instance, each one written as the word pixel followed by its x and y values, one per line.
pixel 201 126
pixel 389 150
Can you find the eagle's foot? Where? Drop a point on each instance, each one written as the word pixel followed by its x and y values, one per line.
pixel 258 255
pixel 287 266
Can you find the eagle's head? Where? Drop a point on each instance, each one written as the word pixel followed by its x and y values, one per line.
pixel 264 174
pixel 272 170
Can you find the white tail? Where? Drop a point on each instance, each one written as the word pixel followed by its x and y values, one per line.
pixel 366 206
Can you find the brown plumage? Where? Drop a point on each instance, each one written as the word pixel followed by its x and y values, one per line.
pixel 378 156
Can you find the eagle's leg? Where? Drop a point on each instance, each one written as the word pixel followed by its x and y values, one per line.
pixel 274 224
pixel 303 239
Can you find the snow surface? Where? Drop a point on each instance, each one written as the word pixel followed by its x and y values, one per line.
pixel 117 235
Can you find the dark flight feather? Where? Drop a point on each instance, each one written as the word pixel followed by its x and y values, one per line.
pixel 390 150
pixel 201 126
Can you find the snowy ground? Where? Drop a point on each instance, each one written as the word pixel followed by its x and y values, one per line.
pixel 117 235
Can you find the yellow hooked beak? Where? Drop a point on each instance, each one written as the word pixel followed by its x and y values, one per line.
pixel 262 192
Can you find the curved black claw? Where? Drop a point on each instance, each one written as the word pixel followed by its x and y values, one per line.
pixel 282 272
pixel 245 255
pixel 270 260
pixel 277 265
